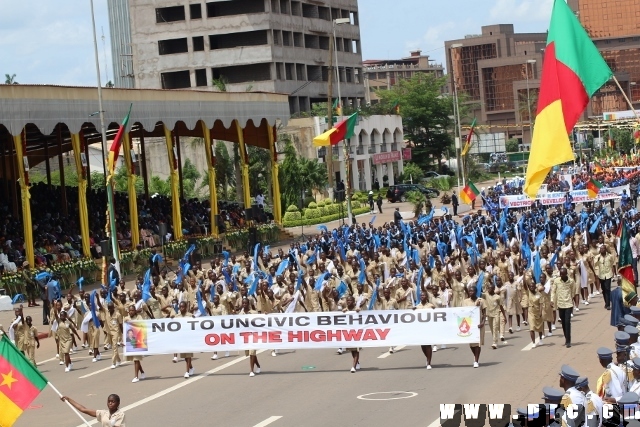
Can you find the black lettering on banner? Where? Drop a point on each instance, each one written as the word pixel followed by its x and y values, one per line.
pixel 441 316
pixel 193 324
pixel 174 326
pixel 371 320
pixel 340 320
pixel 407 318
pixel 424 316
pixel 157 327
pixel 226 325
pixel 242 322
pixel 385 318
pixel 299 321
pixel 257 322
pixel 324 320
pixel 207 324
pixel 355 319
pixel 280 321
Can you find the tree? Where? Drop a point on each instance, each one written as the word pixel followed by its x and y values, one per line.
pixel 109 84
pixel 225 172
pixel 623 138
pixel 259 169
pixel 427 115
pixel 512 145
pixel 10 79
pixel 298 175
pixel 412 171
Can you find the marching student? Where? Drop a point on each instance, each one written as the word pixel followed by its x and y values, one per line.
pixel 495 306
pixel 137 360
pixel 253 357
pixel 183 313
pixel 426 305
pixel 112 416
pixel 65 329
pixel 31 341
pixel 535 311
pixel 472 301
pixel 113 326
pixel 355 352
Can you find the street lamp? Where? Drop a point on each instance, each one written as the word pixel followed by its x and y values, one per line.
pixel 345 148
pixel 457 114
pixel 529 61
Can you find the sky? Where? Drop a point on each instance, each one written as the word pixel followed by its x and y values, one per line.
pixel 51 42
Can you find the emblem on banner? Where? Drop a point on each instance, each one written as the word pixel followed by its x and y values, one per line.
pixel 464 326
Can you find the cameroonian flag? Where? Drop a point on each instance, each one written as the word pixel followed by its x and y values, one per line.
pixel 598 166
pixel 337 107
pixel 625 269
pixel 572 72
pixel 467 146
pixel 593 188
pixel 469 193
pixel 343 130
pixel 636 136
pixel 20 382
pixel 114 151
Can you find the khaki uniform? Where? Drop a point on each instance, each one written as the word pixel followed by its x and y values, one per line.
pixel 493 303
pixel 30 335
pixel 113 327
pixel 562 293
pixel 110 420
pixel 185 316
pixel 468 302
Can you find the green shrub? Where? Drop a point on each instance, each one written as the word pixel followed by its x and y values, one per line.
pixel 321 203
pixel 356 204
pixel 292 208
pixel 307 200
pixel 311 213
pixel 297 222
pixel 356 196
pixel 292 216
pixel 332 209
pixel 328 202
pixel 322 211
pixel 312 205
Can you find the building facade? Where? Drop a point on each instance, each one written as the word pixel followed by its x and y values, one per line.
pixel 376 152
pixel 384 74
pixel 496 75
pixel 278 46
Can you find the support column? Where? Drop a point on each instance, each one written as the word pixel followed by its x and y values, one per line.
pixel 143 165
pixel 390 174
pixel 63 187
pixel 367 175
pixel 277 204
pixel 379 174
pixel 86 156
pixel 175 192
pixel 14 185
pixel 47 165
pixel 355 172
pixel 26 203
pixel 5 190
pixel 131 189
pixel 179 164
pixel 82 195
pixel 213 190
pixel 244 160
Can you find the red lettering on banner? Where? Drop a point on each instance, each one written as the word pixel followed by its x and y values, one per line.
pixel 352 335
pixel 215 339
pixel 383 333
pixel 318 336
pixel 295 337
pixel 333 335
pixel 275 337
pixel 245 336
pixel 369 335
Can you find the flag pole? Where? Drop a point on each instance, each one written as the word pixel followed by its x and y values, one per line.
pixel 111 215
pixel 626 98
pixel 70 406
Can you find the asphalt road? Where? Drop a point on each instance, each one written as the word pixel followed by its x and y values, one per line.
pixel 315 388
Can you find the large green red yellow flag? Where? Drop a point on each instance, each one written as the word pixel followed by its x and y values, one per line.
pixel 20 382
pixel 625 261
pixel 467 146
pixel 572 72
pixel 469 193
pixel 114 151
pixel 343 130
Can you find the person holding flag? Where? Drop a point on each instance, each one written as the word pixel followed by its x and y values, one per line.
pixel 355 352
pixel 474 301
pixel 111 417
pixel 182 314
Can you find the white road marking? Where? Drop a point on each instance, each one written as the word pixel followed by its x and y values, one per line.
pixel 178 386
pixel 268 421
pixel 409 395
pixel 73 359
pixel 528 347
pixel 436 423
pixel 108 368
pixel 387 354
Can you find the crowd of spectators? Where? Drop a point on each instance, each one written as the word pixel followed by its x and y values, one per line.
pixel 56 233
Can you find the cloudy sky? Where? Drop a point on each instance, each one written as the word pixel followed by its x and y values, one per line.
pixel 50 41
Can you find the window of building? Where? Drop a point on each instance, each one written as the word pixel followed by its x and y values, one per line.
pixel 243 73
pixel 324 13
pixel 287 38
pixel 298 40
pixel 300 72
pixel 195 11
pixel 290 70
pixel 170 14
pixel 230 8
pixel 229 41
pixel 168 47
pixel 465 67
pixel 324 42
pixel 309 10
pixel 285 9
pixel 277 37
pixel 314 73
pixel 275 6
pixel 354 18
pixel 175 80
pixel 311 41
pixel 201 77
pixel 198 43
pixel 296 8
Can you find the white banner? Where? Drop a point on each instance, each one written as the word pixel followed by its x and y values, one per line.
pixel 303 331
pixel 557 198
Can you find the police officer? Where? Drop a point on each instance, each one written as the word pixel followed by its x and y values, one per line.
pixel 593 402
pixel 568 378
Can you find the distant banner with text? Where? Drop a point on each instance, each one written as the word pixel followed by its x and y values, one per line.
pixel 302 331
pixel 558 198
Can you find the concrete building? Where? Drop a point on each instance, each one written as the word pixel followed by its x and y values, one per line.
pixel 384 74
pixel 377 151
pixel 498 72
pixel 278 46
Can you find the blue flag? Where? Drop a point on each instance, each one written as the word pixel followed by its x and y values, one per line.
pixel 203 312
pixel 480 284
pixel 282 267
pixel 537 268
pixel 374 296
pixel 342 289
pixel 146 286
pixel 94 316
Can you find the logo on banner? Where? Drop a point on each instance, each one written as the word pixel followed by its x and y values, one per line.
pixel 464 326
pixel 136 337
pixel 504 201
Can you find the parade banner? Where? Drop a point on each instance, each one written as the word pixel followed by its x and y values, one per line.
pixel 302 331
pixel 558 198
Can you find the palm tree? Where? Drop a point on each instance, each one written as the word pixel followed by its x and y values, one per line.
pixel 10 79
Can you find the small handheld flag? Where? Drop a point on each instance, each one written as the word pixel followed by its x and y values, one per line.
pixel 469 193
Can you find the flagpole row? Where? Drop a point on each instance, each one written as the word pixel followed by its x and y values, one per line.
pixel 69 404
pixel 626 98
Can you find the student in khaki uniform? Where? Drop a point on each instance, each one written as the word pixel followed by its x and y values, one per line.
pixel 604 264
pixel 31 341
pixel 253 357
pixel 562 298
pixel 113 326
pixel 65 328
pixel 495 306
pixel 183 313
pixel 215 308
pixel 112 417
pixel 473 300
pixel 424 304
pixel 536 323
pixel 355 352
pixel 137 360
